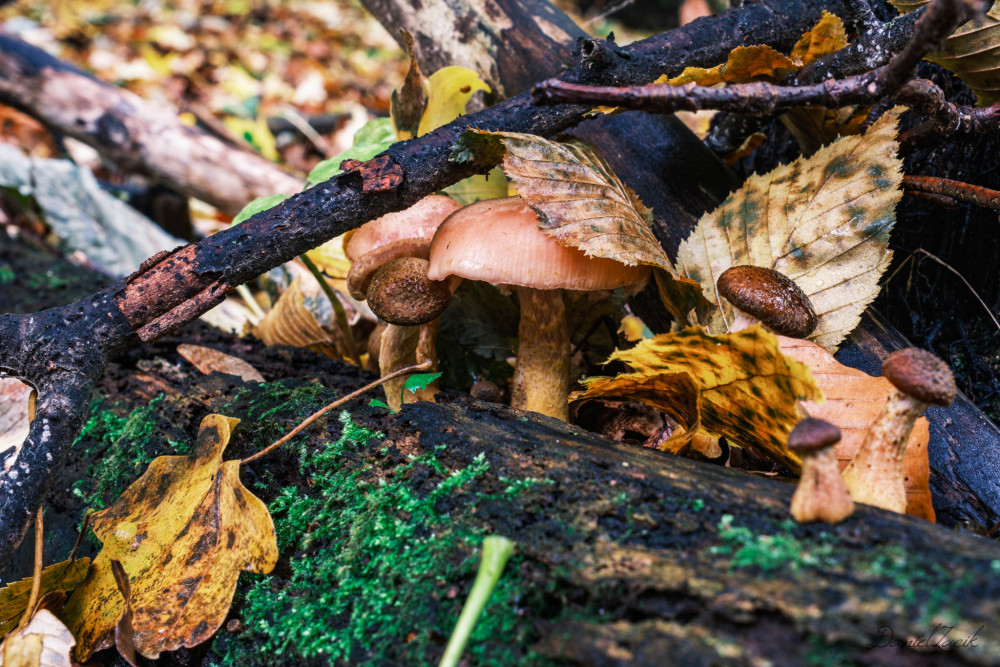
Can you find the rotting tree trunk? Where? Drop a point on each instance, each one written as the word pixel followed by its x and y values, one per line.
pixel 520 42
pixel 61 351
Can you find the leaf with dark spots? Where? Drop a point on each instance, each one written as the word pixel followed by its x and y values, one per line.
pixel 183 537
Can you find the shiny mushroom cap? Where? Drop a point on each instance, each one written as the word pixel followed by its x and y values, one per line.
pixel 400 292
pixel 405 233
pixel 921 375
pixel 771 297
pixel 811 435
pixel 498 241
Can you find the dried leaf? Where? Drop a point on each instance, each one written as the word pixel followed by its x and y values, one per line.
pixel 207 360
pixel 291 323
pixel 62 576
pixel 854 400
pixel 44 643
pixel 824 222
pixel 14 422
pixel 827 36
pixel 183 532
pixel 748 390
pixel 971 52
pixel 406 105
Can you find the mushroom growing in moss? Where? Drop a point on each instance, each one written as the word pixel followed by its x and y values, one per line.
pixel 769 297
pixel 875 475
pixel 388 269
pixel 499 241
pixel 821 494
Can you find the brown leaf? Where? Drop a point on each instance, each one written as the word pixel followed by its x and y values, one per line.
pixel 291 323
pixel 14 422
pixel 44 643
pixel 183 532
pixel 207 360
pixel 854 400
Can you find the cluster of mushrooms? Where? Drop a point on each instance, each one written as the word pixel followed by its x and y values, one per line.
pixel 407 265
pixel 875 476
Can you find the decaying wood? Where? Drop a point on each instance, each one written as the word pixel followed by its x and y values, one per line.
pixel 61 351
pixel 134 134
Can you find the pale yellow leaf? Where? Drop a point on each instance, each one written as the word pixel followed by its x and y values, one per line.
pixel 330 257
pixel 823 221
pixel 448 91
pixel 748 390
pixel 44 643
pixel 14 596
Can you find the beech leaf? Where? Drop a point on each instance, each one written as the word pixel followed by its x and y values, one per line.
pixel 291 323
pixel 823 221
pixel 207 360
pixel 183 532
pixel 748 390
pixel 854 400
pixel 14 597
pixel 45 642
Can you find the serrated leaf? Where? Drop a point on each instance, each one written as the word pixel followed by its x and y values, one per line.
pixel 257 205
pixel 373 138
pixel 62 576
pixel 971 52
pixel 827 36
pixel 183 532
pixel 449 90
pixel 854 400
pixel 823 221
pixel 748 391
pixel 579 199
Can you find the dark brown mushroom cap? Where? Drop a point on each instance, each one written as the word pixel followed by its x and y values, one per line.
pixel 921 375
pixel 401 293
pixel 811 435
pixel 771 297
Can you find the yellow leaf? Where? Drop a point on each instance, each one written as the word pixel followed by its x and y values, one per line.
pixel 290 322
pixel 44 643
pixel 183 532
pixel 449 90
pixel 827 36
pixel 745 63
pixel 255 132
pixel 854 400
pixel 748 390
pixel 62 576
pixel 476 188
pixel 971 52
pixel 330 257
pixel 823 221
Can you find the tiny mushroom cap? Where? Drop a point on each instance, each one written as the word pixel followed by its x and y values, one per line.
pixel 920 375
pixel 406 233
pixel 400 292
pixel 771 297
pixel 812 434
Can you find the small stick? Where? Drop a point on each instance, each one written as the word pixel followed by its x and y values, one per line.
pixel 422 366
pixel 83 531
pixel 974 194
pixel 36 578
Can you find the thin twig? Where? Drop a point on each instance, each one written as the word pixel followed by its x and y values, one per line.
pixel 616 7
pixel 946 187
pixel 83 531
pixel 943 263
pixel 422 366
pixel 36 578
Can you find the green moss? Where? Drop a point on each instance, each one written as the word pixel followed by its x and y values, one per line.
pixel 770 553
pixel 380 562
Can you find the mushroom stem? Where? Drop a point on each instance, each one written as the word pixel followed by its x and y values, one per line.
pixel 821 494
pixel 401 345
pixel 541 377
pixel 875 474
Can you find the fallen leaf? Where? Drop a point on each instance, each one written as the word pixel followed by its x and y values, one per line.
pixel 14 597
pixel 448 91
pixel 406 105
pixel 291 323
pixel 124 632
pixel 14 422
pixel 747 389
pixel 854 400
pixel 44 643
pixel 823 221
pixel 827 36
pixel 373 138
pixel 971 52
pixel 207 360
pixel 331 259
pixel 183 532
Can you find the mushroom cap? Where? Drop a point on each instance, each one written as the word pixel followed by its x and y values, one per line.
pixel 400 293
pixel 420 221
pixel 498 241
pixel 921 375
pixel 811 435
pixel 771 297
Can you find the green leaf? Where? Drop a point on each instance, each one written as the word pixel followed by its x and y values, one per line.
pixel 257 205
pixel 375 403
pixel 373 138
pixel 419 381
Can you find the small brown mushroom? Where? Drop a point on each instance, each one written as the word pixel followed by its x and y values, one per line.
pixel 821 494
pixel 875 476
pixel 401 293
pixel 769 297
pixel 499 241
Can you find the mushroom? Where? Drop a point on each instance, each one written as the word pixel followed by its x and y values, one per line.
pixel 389 269
pixel 769 297
pixel 821 494
pixel 498 241
pixel 875 474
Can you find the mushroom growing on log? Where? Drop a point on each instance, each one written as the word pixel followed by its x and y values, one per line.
pixel 821 494
pixel 769 297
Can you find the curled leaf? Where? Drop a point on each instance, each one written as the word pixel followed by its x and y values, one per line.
pixel 46 642
pixel 62 576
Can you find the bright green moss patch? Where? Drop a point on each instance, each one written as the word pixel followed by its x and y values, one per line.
pixel 380 563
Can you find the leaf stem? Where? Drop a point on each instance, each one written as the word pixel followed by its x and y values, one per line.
pixel 36 578
pixel 496 550
pixel 423 366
